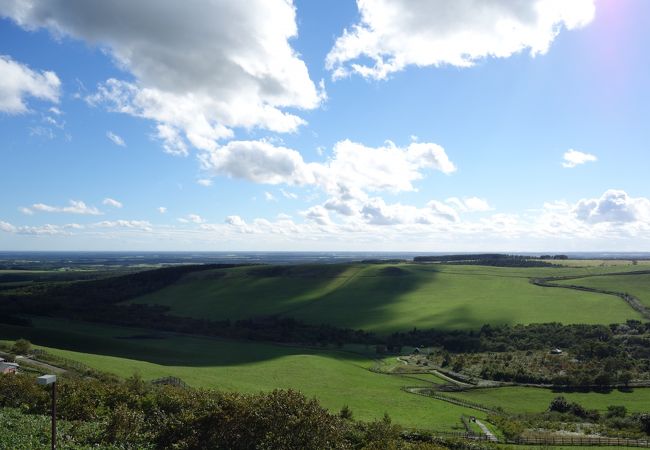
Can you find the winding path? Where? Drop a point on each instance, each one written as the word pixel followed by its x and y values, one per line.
pixel 488 434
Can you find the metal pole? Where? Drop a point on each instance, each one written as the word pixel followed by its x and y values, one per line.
pixel 54 416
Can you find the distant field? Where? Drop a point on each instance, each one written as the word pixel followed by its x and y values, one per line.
pixel 335 378
pixel 636 285
pixel 385 298
pixel 532 400
pixel 620 263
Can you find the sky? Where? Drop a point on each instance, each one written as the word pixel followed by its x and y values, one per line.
pixel 382 125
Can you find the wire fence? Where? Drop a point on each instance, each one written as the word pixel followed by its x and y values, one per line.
pixel 428 392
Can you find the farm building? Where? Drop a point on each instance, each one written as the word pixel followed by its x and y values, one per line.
pixel 7 367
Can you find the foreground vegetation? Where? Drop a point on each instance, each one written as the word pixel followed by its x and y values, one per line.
pixel 134 414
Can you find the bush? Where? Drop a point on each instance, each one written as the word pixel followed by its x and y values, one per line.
pixel 559 404
pixel 22 347
pixel 616 411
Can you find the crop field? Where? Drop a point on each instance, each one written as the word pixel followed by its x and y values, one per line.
pixel 637 285
pixel 535 400
pixel 334 378
pixel 386 298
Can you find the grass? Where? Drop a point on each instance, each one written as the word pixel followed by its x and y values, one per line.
pixel 335 378
pixel 535 400
pixel 637 285
pixel 384 298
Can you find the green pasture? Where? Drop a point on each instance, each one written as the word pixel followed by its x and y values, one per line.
pixel 385 298
pixel 335 378
pixel 535 400
pixel 637 285
pixel 619 263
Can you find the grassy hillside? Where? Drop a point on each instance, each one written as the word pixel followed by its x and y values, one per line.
pixel 534 400
pixel 636 285
pixel 335 378
pixel 386 298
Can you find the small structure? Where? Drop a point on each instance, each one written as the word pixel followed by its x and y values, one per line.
pixel 556 351
pixel 7 367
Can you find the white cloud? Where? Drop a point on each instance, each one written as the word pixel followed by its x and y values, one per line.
pixel 74 207
pixel 469 204
pixel 26 211
pixel 613 206
pixel 288 194
pixel 46 229
pixel 352 169
pixel 204 182
pixel 235 221
pixel 394 34
pixel 270 197
pixel 192 218
pixel 115 139
pixel 259 162
pixel 18 81
pixel 134 224
pixel 200 68
pixel 318 214
pixel 573 158
pixel 377 212
pixel 162 209
pixel 112 202
pixel 7 227
pixel 615 221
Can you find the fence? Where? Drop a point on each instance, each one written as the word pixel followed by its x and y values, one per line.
pixel 42 355
pixel 580 441
pixel 171 381
pixel 552 440
pixel 428 392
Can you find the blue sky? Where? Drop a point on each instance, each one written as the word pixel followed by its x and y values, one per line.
pixel 272 125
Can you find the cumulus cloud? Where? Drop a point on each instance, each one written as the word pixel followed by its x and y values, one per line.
pixel 17 81
pixel 162 209
pixel 199 68
pixel 112 202
pixel 270 197
pixel 235 221
pixel 375 211
pixel 394 34
pixel 47 229
pixel 613 206
pixel 115 139
pixel 318 214
pixel 353 168
pixel 259 162
pixel 74 207
pixel 573 158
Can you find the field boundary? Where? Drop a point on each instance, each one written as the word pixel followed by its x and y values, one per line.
pixel 428 392
pixel 631 300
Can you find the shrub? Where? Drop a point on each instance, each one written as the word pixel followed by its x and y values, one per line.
pixel 22 347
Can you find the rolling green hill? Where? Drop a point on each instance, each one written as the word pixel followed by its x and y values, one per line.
pixel 388 298
pixel 335 378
